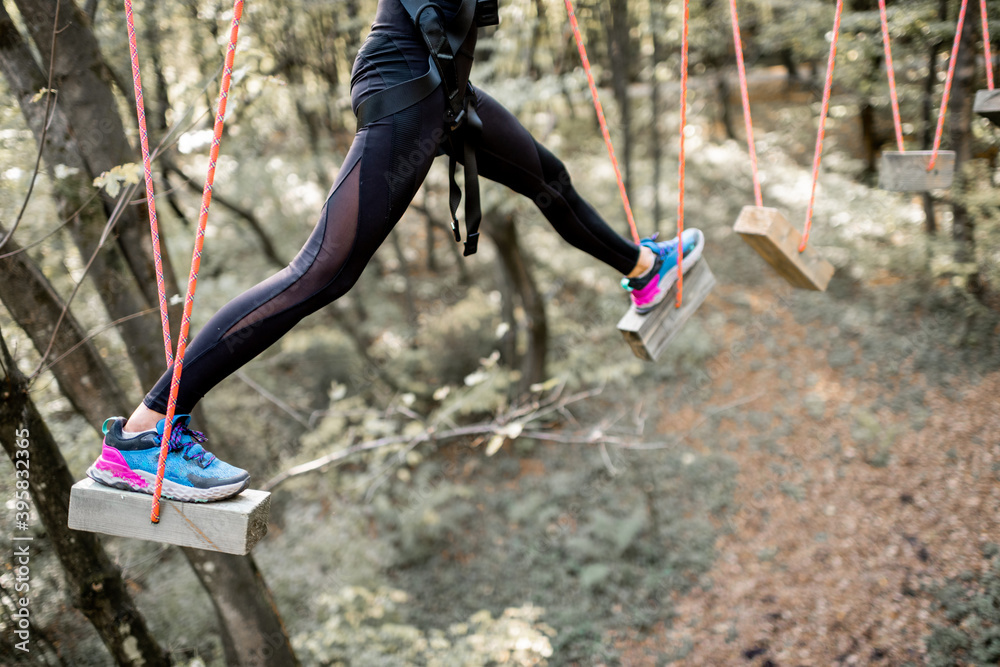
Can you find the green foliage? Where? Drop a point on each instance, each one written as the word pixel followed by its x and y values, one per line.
pixel 970 607
pixel 113 180
pixel 364 627
pixel 596 551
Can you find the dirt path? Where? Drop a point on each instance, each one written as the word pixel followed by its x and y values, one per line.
pixel 852 501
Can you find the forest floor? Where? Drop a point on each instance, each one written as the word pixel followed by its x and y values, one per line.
pixel 881 486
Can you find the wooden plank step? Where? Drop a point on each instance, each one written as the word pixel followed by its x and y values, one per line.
pixel 648 335
pixel 231 526
pixel 777 241
pixel 987 105
pixel 907 172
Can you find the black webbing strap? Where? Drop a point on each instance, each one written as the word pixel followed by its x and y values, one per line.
pixel 465 125
pixel 396 98
pixel 473 212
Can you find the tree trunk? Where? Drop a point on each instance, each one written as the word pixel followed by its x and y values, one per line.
pixel 870 138
pixel 253 632
pixel 618 46
pixel 538 29
pixel 409 306
pixel 725 113
pixel 84 82
pixel 654 102
pixel 82 375
pixel 109 271
pixel 504 234
pixel 507 343
pixel 926 111
pixel 960 130
pixel 96 584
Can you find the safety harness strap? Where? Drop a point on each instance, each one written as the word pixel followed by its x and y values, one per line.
pixel 396 98
pixel 443 42
pixel 473 212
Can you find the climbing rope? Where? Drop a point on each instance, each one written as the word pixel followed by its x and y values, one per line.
pixel 600 117
pixel 206 200
pixel 939 132
pixel 825 111
pixel 745 94
pixel 147 165
pixel 893 96
pixel 986 44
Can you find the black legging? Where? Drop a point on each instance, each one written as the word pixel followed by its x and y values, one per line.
pixel 385 166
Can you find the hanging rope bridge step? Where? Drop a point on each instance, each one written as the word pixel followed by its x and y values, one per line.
pixel 907 172
pixel 777 241
pixel 987 105
pixel 648 335
pixel 231 526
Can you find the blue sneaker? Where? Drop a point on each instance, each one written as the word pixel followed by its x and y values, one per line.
pixel 192 474
pixel 649 290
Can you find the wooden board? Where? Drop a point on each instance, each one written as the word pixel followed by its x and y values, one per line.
pixel 777 241
pixel 231 526
pixel 648 335
pixel 907 172
pixel 987 105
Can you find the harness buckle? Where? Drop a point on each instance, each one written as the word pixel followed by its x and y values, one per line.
pixel 456 120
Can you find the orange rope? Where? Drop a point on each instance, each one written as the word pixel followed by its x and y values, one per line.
pixel 893 96
pixel 745 94
pixel 942 112
pixel 600 117
pixel 818 155
pixel 680 179
pixel 206 200
pixel 986 44
pixel 147 165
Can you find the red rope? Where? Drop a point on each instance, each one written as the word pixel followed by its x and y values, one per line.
pixel 600 117
pixel 818 155
pixel 986 44
pixel 206 200
pixel 148 169
pixel 887 45
pixel 680 178
pixel 745 94
pixel 939 132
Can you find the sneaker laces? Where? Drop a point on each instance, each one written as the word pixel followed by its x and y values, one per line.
pixel 189 441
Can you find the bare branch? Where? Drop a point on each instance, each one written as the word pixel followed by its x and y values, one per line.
pixel 112 220
pixel 255 226
pixel 62 224
pixel 100 330
pixel 496 426
pixel 50 104
pixel 285 407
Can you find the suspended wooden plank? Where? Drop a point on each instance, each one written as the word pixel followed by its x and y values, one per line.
pixel 231 526
pixel 648 335
pixel 907 172
pixel 777 241
pixel 987 105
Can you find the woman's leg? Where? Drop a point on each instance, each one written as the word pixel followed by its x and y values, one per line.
pixel 386 164
pixel 508 154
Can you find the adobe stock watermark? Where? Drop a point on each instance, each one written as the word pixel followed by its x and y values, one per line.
pixel 21 560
